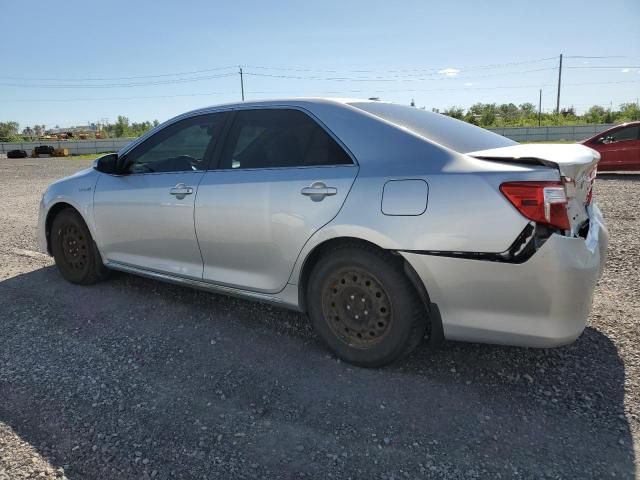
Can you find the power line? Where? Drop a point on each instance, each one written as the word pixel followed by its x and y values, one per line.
pixel 607 66
pixel 411 74
pixel 91 79
pixel 329 92
pixel 602 83
pixel 401 70
pixel 406 77
pixel 595 57
pixel 136 97
pixel 261 67
pixel 120 85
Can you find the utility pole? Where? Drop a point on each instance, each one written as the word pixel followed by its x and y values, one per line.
pixel 559 83
pixel 540 109
pixel 241 83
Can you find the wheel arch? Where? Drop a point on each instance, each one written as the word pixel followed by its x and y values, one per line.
pixel 52 213
pixel 326 246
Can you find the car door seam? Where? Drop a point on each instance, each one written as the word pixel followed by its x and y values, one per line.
pixel 195 230
pixel 293 268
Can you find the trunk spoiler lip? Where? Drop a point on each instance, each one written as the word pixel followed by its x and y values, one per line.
pixel 570 159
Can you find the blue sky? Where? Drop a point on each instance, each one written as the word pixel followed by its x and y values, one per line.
pixel 72 62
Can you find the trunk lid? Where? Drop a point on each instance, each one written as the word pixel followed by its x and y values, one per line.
pixel 576 164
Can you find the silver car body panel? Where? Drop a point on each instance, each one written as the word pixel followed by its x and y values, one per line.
pixel 76 191
pixel 286 298
pixel 253 223
pixel 250 232
pixel 138 222
pixel 544 302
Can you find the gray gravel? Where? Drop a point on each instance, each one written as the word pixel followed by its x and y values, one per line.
pixel 138 379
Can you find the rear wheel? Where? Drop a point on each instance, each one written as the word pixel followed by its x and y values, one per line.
pixel 364 307
pixel 74 250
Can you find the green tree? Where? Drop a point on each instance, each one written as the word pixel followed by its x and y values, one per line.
pixel 509 113
pixel 484 114
pixel 629 112
pixel 121 127
pixel 595 114
pixel 9 131
pixel 455 112
pixel 528 110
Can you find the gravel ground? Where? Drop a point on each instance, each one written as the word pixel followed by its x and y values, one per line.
pixel 139 379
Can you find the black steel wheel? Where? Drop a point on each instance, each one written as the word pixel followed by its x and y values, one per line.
pixel 364 307
pixel 356 307
pixel 74 250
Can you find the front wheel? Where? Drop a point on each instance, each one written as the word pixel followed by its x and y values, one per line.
pixel 74 250
pixel 364 307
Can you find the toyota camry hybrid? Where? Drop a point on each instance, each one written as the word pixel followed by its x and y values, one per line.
pixel 384 223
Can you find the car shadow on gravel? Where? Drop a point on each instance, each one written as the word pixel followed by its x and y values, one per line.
pixel 134 379
pixel 628 176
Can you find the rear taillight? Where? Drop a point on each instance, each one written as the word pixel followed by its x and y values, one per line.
pixel 542 202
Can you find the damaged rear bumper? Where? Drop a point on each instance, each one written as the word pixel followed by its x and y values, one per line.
pixel 543 302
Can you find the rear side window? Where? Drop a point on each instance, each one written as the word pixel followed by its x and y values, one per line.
pixel 270 138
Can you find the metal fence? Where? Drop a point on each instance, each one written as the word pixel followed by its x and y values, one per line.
pixel 519 134
pixel 75 147
pixel 544 134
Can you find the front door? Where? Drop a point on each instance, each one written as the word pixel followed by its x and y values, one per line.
pixel 144 218
pixel 281 177
pixel 620 149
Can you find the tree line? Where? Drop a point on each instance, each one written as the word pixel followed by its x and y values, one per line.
pixel 490 115
pixel 121 128
pixel 487 115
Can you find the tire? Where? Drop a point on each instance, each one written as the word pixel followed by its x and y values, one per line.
pixel 364 307
pixel 76 254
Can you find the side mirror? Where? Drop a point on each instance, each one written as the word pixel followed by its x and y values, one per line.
pixel 107 164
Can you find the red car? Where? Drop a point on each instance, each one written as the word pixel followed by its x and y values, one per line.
pixel 619 147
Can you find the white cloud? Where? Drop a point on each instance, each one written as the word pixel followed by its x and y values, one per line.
pixel 625 70
pixel 468 84
pixel 449 72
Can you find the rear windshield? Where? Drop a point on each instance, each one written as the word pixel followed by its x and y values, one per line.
pixel 449 132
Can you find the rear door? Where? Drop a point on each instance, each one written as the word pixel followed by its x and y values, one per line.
pixel 280 177
pixel 144 218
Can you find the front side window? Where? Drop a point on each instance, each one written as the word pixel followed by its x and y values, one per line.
pixel 624 134
pixel 183 146
pixel 269 138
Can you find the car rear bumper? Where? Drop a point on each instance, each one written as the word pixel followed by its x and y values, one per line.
pixel 543 302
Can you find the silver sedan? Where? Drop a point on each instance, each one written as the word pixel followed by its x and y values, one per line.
pixel 384 223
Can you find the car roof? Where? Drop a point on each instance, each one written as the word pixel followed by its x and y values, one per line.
pixel 626 124
pixel 285 101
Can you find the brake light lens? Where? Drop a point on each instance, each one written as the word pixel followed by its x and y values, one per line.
pixel 542 202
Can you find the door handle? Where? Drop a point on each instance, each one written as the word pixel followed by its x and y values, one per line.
pixel 180 191
pixel 318 190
